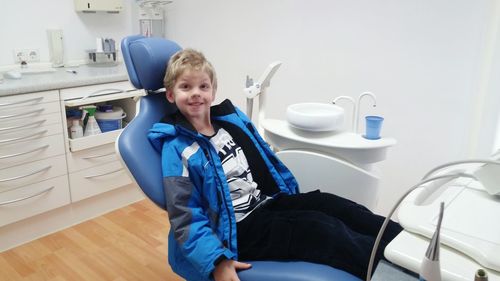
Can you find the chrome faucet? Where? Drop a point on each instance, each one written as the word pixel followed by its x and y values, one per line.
pixel 356 107
pixel 361 96
pixel 353 108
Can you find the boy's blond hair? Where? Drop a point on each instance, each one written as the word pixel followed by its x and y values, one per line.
pixel 188 59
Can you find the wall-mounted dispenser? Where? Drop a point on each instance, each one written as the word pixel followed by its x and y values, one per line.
pixel 93 6
pixel 151 16
pixel 56 50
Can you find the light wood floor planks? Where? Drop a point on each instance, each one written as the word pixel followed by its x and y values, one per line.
pixel 126 244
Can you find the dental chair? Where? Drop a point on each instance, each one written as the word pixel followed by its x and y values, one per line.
pixel 146 59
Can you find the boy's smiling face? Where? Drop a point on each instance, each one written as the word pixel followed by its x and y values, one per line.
pixel 193 93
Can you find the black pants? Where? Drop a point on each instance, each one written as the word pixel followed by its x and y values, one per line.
pixel 316 227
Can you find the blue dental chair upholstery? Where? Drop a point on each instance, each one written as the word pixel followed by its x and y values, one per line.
pixel 146 59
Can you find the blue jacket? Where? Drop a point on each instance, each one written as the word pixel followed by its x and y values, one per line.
pixel 203 226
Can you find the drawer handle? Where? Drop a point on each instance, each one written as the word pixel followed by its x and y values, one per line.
pixel 23 153
pixel 27 175
pixel 34 100
pixel 97 156
pixel 31 125
pixel 24 137
pixel 104 174
pixel 113 91
pixel 27 197
pixel 22 113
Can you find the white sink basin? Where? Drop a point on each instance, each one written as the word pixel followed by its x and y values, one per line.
pixel 317 117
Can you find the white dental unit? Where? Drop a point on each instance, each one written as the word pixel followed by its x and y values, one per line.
pixel 342 164
pixel 470 232
pixel 341 160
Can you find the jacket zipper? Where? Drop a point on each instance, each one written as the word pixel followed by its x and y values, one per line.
pixel 209 155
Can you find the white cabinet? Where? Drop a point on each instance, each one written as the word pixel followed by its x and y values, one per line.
pixel 93 165
pixel 49 181
pixel 92 6
pixel 33 171
pixel 41 168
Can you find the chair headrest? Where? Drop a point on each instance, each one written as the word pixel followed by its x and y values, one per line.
pixel 146 60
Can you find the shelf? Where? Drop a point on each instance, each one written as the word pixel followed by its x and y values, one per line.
pixel 103 97
pixel 93 141
pixel 344 140
pixel 346 145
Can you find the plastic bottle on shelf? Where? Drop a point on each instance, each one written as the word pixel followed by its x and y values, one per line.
pixel 92 128
pixel 76 129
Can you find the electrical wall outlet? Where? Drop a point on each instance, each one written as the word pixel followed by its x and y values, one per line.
pixel 26 55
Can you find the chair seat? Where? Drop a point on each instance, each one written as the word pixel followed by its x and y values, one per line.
pixel 293 271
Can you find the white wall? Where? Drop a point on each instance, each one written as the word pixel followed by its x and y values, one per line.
pixel 24 25
pixel 433 64
pixel 427 61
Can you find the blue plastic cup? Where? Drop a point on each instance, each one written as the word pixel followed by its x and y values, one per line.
pixel 373 127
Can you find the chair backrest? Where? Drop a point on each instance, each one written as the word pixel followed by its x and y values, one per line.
pixel 146 60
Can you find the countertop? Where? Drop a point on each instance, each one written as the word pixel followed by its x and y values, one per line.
pixel 60 79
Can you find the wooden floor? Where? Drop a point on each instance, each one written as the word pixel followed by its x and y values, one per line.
pixel 126 244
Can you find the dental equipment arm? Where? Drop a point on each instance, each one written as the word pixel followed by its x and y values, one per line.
pixel 429 190
pixel 253 90
pixel 249 103
pixel 487 175
pixel 391 212
pixel 449 164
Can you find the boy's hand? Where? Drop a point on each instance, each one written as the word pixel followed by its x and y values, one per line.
pixel 226 270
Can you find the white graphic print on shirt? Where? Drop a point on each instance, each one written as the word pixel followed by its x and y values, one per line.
pixel 244 193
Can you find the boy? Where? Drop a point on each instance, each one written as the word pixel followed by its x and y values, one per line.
pixel 230 198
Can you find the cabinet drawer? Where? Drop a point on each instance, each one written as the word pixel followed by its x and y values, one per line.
pixel 32 172
pixel 7 114
pixel 92 157
pixel 12 136
pixel 35 121
pixel 16 153
pixel 33 199
pixel 28 99
pixel 97 180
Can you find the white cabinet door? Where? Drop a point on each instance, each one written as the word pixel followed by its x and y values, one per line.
pixel 32 172
pixel 33 199
pixel 29 99
pixel 97 180
pixel 27 112
pixel 91 157
pixel 15 153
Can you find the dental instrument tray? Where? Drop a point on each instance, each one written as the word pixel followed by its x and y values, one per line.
pixel 470 224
